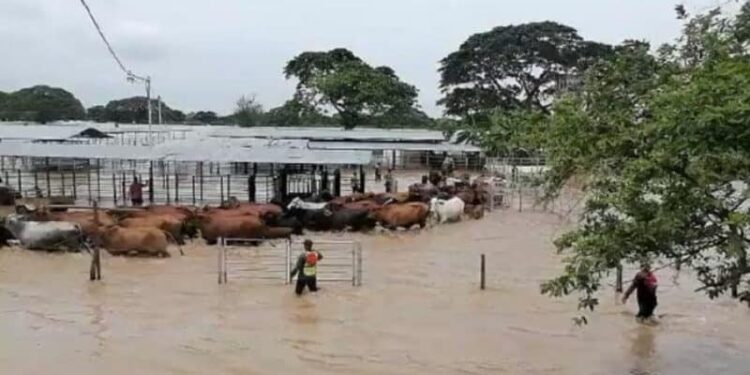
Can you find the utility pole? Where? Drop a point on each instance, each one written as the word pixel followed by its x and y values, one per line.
pixel 148 103
pixel 160 120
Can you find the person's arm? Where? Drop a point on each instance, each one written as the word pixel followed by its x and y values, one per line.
pixel 298 267
pixel 631 288
pixel 320 256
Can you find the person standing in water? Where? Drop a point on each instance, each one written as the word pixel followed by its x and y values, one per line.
pixel 644 283
pixel 307 269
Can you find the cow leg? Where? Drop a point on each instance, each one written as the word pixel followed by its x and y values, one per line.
pixel 165 254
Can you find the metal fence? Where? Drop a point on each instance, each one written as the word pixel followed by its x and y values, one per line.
pixel 275 259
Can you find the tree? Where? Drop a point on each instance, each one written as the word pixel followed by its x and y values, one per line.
pixel 42 104
pixel 97 113
pixel 248 112
pixel 204 117
pixel 135 110
pixel 514 66
pixel 296 113
pixel 663 144
pixel 356 91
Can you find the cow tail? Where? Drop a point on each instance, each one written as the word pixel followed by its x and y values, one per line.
pixel 171 238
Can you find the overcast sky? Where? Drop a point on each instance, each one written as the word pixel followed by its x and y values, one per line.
pixel 204 54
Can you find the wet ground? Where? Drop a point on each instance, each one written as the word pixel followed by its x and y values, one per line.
pixel 419 310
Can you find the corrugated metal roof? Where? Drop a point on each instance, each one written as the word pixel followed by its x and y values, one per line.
pixel 196 149
pixel 401 146
pixel 41 132
pixel 331 134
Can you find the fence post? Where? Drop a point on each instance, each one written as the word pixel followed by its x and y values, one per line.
pixel 481 273
pixel 151 182
pixel 20 185
pixel 201 182
pixel 176 187
pixel 114 189
pixel 124 190
pixel 88 183
pixel 618 280
pixel 221 187
pixel 362 179
pixel 220 264
pixel 36 183
pixel 75 188
pixel 62 182
pixel 287 263
pixel 95 272
pixel 229 186
pixel 98 181
pixel 251 188
pixel 166 185
pixel 193 184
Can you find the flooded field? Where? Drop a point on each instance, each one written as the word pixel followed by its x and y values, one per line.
pixel 419 310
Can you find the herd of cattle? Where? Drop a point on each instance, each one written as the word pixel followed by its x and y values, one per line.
pixel 150 230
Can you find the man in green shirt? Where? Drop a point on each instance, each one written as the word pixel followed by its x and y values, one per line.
pixel 307 268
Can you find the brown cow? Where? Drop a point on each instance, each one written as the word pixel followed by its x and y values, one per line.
pixel 213 227
pixel 167 223
pixel 123 241
pixel 179 212
pixel 85 219
pixel 402 215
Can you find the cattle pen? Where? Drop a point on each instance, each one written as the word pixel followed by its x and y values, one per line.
pixel 205 165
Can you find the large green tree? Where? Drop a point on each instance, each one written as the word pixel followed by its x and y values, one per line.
pixel 511 67
pixel 135 110
pixel 663 146
pixel 248 112
pixel 340 80
pixel 41 104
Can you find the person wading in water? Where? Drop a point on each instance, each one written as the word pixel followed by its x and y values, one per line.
pixel 307 269
pixel 645 284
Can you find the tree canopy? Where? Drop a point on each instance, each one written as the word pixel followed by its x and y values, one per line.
pixel 135 110
pixel 663 146
pixel 41 104
pixel 248 112
pixel 511 67
pixel 355 90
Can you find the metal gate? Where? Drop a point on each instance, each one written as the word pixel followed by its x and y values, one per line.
pixel 275 259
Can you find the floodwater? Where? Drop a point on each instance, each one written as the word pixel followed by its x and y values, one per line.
pixel 419 310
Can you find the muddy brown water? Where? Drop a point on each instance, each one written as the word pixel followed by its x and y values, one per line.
pixel 419 310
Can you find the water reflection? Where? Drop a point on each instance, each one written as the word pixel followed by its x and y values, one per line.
pixel 643 351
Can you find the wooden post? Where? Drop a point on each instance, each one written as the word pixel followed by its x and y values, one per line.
pixel 95 272
pixel 481 273
pixel 229 186
pixel 20 186
pixel 36 182
pixel 62 182
pixel 166 185
pixel 124 189
pixel 201 182
pixel 618 279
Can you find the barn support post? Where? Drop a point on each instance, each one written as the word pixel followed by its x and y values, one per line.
pixel 95 272
pixel 201 181
pixel 20 185
pixel 151 182
pixel 251 188
pixel 324 180
pixel 46 169
pixel 337 182
pixel 283 188
pixel 75 182
pixel 618 279
pixel 124 189
pixel 62 182
pixel 193 178
pixel 166 184
pixel 176 187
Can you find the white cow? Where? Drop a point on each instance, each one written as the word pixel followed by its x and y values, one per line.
pixel 49 235
pixel 447 210
pixel 298 203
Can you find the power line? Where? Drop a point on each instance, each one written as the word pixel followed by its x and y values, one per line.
pixel 109 46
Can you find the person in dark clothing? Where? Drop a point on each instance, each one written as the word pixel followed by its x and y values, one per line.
pixel 136 192
pixel 644 283
pixel 377 173
pixel 307 269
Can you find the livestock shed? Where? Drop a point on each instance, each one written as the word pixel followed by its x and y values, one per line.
pixel 207 164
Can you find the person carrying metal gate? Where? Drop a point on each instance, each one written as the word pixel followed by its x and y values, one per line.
pixel 307 269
